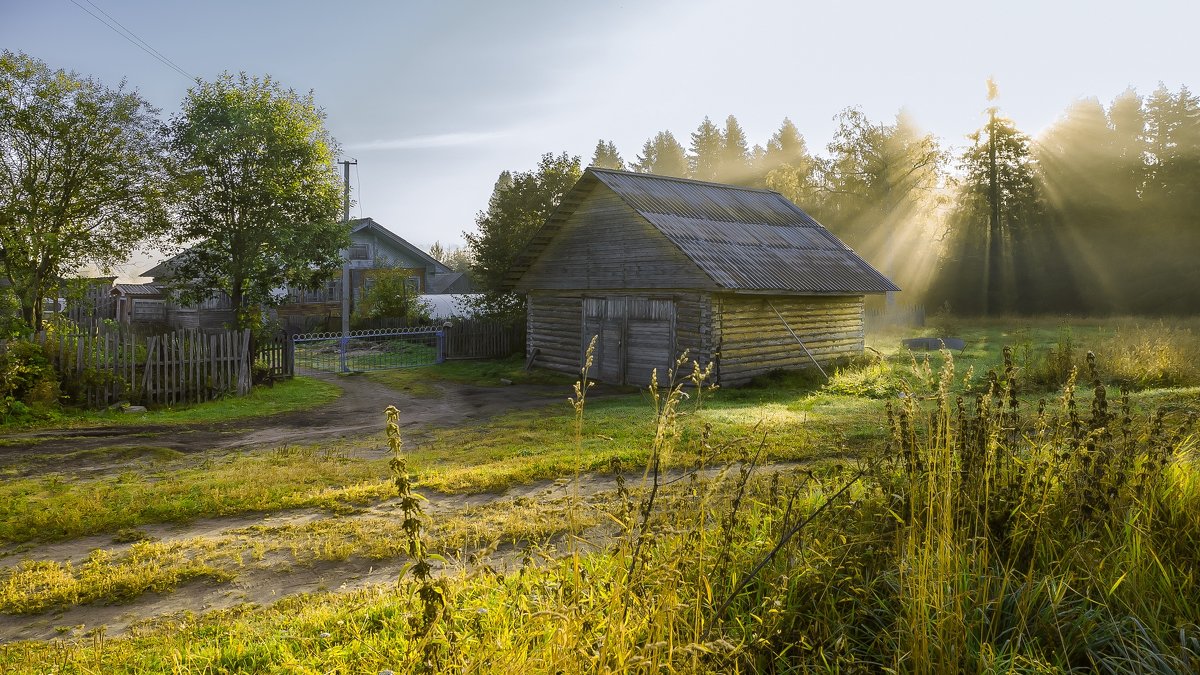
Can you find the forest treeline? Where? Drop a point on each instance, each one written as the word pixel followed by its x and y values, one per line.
pixel 1096 215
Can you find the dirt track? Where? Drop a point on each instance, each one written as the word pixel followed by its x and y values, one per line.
pixel 357 413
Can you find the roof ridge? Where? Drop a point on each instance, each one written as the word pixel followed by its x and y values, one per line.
pixel 677 179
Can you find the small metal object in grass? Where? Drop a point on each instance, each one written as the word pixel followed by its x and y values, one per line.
pixel 935 343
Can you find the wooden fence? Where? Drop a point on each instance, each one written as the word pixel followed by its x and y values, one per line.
pixel 185 366
pixel 895 316
pixel 484 339
pixel 278 354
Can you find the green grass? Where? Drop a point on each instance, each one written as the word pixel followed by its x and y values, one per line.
pixel 481 373
pixel 57 506
pixel 517 448
pixel 34 587
pixel 298 393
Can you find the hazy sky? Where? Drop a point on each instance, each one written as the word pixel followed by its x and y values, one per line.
pixel 434 99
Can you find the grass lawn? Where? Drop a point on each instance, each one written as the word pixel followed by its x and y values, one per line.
pixel 298 393
pixel 421 381
pixel 1043 566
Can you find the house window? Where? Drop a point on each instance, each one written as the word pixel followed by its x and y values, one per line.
pixel 360 252
pixel 148 310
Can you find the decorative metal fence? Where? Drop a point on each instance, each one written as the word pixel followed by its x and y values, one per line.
pixel 367 350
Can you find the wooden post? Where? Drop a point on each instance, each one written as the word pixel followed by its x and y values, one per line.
pixel 797 338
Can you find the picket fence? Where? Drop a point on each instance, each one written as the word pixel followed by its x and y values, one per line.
pixel 184 366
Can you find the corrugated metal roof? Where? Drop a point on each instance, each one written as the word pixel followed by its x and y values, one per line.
pixel 744 239
pixel 138 289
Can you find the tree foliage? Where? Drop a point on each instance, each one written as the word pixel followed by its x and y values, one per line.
pixel 259 194
pixel 787 167
pixel 1096 214
pixel 704 156
pixel 81 176
pixel 993 267
pixel 457 258
pixel 391 293
pixel 519 206
pixel 664 156
pixel 734 164
pixel 606 156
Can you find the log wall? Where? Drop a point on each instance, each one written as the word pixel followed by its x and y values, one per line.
pixel 554 325
pixel 752 340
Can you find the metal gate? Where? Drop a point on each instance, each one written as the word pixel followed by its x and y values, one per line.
pixel 364 350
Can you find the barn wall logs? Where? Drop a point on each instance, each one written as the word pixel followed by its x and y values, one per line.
pixel 554 328
pixel 752 340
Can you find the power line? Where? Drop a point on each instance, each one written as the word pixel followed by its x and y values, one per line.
pixel 133 38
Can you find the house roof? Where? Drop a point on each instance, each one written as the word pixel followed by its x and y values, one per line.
pixel 743 239
pixel 362 224
pixel 167 267
pixel 162 269
pixel 454 282
pixel 139 290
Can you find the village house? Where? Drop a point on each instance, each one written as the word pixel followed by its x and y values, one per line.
pixel 372 248
pixel 652 265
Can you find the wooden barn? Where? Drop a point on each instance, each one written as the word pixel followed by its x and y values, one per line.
pixel 654 265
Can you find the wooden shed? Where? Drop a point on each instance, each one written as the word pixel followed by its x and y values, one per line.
pixel 653 265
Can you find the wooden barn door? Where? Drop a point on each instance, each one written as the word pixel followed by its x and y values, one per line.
pixel 649 339
pixel 635 335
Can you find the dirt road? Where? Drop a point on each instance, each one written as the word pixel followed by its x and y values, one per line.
pixel 357 413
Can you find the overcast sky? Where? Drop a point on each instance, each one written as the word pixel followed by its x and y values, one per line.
pixel 434 99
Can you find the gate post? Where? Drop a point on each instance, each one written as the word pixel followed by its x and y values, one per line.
pixel 289 354
pixel 441 346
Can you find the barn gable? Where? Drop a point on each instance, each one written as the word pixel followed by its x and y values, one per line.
pixel 603 243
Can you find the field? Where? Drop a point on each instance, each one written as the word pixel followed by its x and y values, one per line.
pixel 1029 504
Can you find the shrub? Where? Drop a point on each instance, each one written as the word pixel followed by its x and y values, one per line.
pixel 1052 369
pixel 28 383
pixel 1152 356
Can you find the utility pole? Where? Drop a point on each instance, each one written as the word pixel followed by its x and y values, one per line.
pixel 346 164
pixel 993 297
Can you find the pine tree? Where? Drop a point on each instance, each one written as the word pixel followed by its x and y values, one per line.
pixel 704 156
pixel 734 165
pixel 662 155
pixel 991 266
pixel 606 156
pixel 786 146
pixel 788 168
pixel 519 206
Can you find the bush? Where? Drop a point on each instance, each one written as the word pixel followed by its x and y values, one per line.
pixel 1154 356
pixel 28 383
pixel 1139 356
pixel 11 323
pixel 877 377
